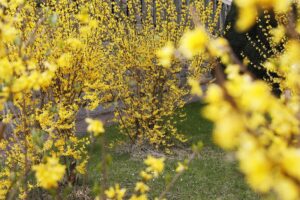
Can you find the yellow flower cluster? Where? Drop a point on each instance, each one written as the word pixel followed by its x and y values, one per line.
pixel 155 166
pixel 181 167
pixel 58 57
pixel 165 55
pixel 49 70
pixel 144 82
pixel 250 123
pixel 193 42
pixel 95 126
pixel 249 10
pixel 49 174
pixel 262 129
pixel 5 183
pixel 115 193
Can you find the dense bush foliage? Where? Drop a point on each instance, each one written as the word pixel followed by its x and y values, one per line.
pixel 58 57
pixel 146 93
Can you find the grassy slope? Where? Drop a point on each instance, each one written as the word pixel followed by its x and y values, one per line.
pixel 210 177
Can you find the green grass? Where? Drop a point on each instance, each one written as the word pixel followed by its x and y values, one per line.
pixel 212 176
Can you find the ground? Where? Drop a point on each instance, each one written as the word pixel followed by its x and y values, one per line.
pixel 214 175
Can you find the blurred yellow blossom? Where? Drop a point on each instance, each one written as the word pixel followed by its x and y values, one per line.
pixel 95 126
pixel 181 167
pixel 141 187
pixel 49 174
pixel 193 42
pixel 165 55
pixel 115 193
pixel 278 33
pixel 155 165
pixel 146 176
pixel 249 9
pixel 139 197
pixel 195 87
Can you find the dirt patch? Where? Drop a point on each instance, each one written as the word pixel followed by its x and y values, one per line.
pixel 138 152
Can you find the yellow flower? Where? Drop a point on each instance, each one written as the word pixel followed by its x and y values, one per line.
pixel 248 10
pixel 291 162
pixel 286 189
pixel 64 60
pixel 115 192
pixel 5 184
pixel 146 176
pixel 49 174
pixel 141 197
pixel 165 55
pixel 227 131
pixel 6 69
pixel 74 43
pixel 181 167
pixel 255 164
pixel 95 126
pixel 193 42
pixel 195 87
pixel 257 97
pixel 278 33
pixel 246 18
pixel 81 168
pixel 214 94
pixel 47 145
pixel 83 16
pixel 155 165
pixel 8 32
pixel 141 187
pixel 218 47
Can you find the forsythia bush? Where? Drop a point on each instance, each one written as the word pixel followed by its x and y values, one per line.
pixel 60 56
pixel 45 82
pixel 147 91
pixel 261 129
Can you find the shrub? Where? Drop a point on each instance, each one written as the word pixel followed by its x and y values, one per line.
pixel 146 90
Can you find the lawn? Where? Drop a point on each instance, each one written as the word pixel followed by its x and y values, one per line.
pixel 214 175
